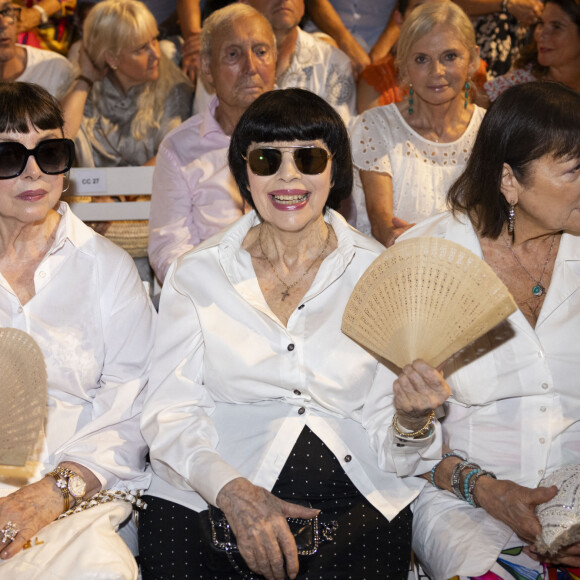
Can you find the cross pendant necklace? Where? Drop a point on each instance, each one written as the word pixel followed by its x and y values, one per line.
pixel 288 287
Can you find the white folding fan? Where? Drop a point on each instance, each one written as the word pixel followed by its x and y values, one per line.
pixel 23 392
pixel 425 298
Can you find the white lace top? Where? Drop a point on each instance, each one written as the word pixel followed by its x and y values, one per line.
pixel 422 170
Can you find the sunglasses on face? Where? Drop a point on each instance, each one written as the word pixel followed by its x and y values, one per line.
pixel 53 156
pixel 310 160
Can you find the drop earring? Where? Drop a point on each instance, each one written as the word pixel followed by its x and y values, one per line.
pixel 466 88
pixel 511 218
pixel 411 100
pixel 66 180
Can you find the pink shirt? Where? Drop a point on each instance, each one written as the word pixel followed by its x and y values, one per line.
pixel 194 194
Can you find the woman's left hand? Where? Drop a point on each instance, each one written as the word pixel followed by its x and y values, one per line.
pixel 419 390
pixel 29 509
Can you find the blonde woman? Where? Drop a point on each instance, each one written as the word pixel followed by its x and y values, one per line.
pixel 409 153
pixel 128 95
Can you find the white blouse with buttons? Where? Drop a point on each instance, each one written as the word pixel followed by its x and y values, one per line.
pixel 232 388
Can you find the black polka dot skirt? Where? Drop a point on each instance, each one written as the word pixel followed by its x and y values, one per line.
pixel 365 546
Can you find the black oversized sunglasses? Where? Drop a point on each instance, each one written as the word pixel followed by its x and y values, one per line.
pixel 310 160
pixel 53 156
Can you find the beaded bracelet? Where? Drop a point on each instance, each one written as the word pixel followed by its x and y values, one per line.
pixel 466 480
pixel 433 469
pixel 471 486
pixel 456 477
pixel 425 431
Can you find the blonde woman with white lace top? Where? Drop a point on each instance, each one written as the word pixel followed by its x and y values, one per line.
pixel 410 153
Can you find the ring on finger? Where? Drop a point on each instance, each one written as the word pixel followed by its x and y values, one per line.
pixel 9 532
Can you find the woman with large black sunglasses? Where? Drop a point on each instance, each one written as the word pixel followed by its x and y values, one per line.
pixel 257 401
pixel 80 297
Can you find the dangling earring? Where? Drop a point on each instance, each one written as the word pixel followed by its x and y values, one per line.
pixel 466 87
pixel 411 100
pixel 66 179
pixel 511 218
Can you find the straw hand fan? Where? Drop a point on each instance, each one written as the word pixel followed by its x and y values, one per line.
pixel 425 298
pixel 23 396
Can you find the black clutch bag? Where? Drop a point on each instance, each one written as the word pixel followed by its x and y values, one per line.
pixel 218 535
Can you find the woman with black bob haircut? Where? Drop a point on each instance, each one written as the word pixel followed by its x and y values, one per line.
pixel 293 118
pixel 284 414
pixel 515 409
pixel 80 298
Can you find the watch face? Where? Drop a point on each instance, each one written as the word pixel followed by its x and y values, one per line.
pixel 76 486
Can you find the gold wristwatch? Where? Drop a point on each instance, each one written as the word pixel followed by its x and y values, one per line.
pixel 70 484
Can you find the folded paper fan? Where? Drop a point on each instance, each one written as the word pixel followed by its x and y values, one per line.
pixel 23 392
pixel 560 517
pixel 425 298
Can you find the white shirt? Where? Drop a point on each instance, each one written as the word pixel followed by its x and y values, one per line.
pixel 515 410
pixel 194 192
pixel 48 69
pixel 323 69
pixel 422 171
pixel 232 388
pixel 94 324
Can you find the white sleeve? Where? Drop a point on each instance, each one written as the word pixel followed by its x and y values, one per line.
pixel 176 421
pixel 111 444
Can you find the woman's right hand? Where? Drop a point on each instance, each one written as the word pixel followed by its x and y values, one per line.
pixel 258 520
pixel 88 67
pixel 398 228
pixel 513 504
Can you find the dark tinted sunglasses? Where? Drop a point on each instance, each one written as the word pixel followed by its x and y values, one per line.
pixel 266 161
pixel 53 156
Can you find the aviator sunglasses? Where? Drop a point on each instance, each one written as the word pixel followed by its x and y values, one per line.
pixel 53 156
pixel 309 159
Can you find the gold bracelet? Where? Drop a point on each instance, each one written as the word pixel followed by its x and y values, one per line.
pixel 415 434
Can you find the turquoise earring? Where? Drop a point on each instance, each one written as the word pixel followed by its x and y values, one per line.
pixel 411 100
pixel 466 87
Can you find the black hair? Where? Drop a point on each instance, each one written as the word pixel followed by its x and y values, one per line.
pixel 26 105
pixel 293 115
pixel 529 53
pixel 525 123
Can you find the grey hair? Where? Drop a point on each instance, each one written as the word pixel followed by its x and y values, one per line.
pixel 223 19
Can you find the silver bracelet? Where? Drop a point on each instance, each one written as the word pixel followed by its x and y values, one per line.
pixel 456 477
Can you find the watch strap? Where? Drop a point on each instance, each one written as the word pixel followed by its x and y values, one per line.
pixel 62 484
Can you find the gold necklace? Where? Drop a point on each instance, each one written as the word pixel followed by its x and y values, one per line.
pixel 288 287
pixel 539 289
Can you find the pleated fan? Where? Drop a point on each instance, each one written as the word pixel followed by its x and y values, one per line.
pixel 425 298
pixel 23 396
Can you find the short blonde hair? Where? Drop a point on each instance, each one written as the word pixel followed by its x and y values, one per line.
pixel 423 19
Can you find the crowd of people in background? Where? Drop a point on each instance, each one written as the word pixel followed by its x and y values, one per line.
pixel 277 129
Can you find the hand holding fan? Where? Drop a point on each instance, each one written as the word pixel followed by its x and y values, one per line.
pixel 23 393
pixel 425 298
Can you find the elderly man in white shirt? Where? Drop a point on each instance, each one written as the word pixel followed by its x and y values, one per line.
pixel 194 194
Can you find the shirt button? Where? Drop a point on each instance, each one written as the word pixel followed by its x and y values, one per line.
pixel 20 309
pixel 290 346
pixel 301 306
pixel 544 386
pixel 348 458
pixel 42 273
pixel 542 440
pixel 540 472
pixel 301 411
pixel 297 392
pixel 543 409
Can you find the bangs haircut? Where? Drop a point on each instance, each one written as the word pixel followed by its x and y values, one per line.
pixel 293 115
pixel 25 106
pixel 113 25
pixel 525 123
